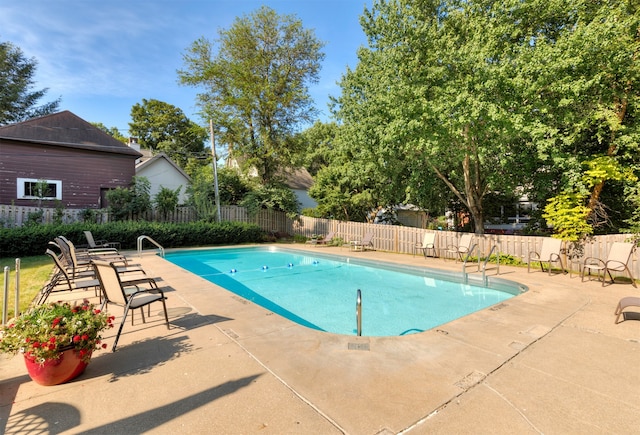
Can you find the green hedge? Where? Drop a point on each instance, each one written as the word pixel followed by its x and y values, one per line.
pixel 33 240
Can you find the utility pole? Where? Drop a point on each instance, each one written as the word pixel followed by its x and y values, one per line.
pixel 215 170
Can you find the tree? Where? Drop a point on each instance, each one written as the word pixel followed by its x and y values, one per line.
pixel 430 103
pixel 17 101
pixel 162 127
pixel 166 200
pixel 113 131
pixel 484 97
pixel 634 220
pixel 316 146
pixel 130 202
pixel 579 76
pixel 256 86
pixel 274 196
pixel 231 185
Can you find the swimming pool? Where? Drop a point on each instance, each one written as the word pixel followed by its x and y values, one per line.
pixel 319 291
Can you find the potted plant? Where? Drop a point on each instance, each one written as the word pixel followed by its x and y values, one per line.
pixel 56 339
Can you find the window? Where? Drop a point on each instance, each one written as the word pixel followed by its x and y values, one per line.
pixel 31 188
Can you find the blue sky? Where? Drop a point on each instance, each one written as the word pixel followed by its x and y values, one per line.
pixel 102 57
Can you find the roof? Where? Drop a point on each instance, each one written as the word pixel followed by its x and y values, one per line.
pixel 297 179
pixel 64 129
pixel 145 162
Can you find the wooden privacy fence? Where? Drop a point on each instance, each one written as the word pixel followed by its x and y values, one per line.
pixel 403 240
pixel 390 238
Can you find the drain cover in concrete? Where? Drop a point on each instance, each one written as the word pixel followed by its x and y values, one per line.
pixel 358 346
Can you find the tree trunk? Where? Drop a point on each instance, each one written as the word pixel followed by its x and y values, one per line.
pixel 473 188
pixel 621 111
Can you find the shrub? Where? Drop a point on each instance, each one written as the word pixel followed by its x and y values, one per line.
pixel 166 200
pixel 26 241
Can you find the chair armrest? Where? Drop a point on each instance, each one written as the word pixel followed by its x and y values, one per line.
pixel 104 250
pixel 615 264
pixel 593 261
pixel 141 281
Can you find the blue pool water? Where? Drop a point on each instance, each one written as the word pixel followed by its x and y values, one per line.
pixel 319 291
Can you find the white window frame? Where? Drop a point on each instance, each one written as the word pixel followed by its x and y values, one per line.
pixel 22 191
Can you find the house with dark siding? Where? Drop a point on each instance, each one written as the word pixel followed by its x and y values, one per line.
pixel 61 157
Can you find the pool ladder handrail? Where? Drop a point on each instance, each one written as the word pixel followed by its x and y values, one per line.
pixel 476 248
pixel 485 279
pixel 359 312
pixel 143 238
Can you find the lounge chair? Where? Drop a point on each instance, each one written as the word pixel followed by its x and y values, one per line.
pixel 326 239
pixel 100 244
pixel 617 260
pixel 428 243
pixel 134 296
pixel 364 244
pixel 629 301
pixel 61 280
pixel 80 261
pixel 462 248
pixel 549 253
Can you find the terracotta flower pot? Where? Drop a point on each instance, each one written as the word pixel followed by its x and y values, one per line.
pixel 56 371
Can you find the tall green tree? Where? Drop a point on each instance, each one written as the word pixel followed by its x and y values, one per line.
pixel 483 96
pixel 579 78
pixel 316 145
pixel 255 86
pixel 113 131
pixel 162 127
pixel 18 101
pixel 431 103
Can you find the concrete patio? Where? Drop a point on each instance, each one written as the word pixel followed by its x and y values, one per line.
pixel 548 361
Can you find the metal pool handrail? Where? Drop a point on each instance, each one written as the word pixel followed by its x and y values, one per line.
pixel 486 260
pixel 476 248
pixel 359 312
pixel 142 238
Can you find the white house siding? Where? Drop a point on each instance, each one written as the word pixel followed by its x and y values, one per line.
pixel 161 173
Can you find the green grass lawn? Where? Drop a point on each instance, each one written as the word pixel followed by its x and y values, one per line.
pixel 34 273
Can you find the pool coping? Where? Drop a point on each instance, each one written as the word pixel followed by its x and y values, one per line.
pixel 542 362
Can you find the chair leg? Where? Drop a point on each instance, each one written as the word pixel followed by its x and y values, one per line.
pixel 166 316
pixel 633 282
pixel 124 318
pixel 618 312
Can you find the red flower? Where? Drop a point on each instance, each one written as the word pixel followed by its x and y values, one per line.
pixel 82 353
pixel 85 337
pixel 96 311
pixel 104 345
pixel 76 338
pixel 36 344
pixel 52 339
pixel 51 346
pixel 56 321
